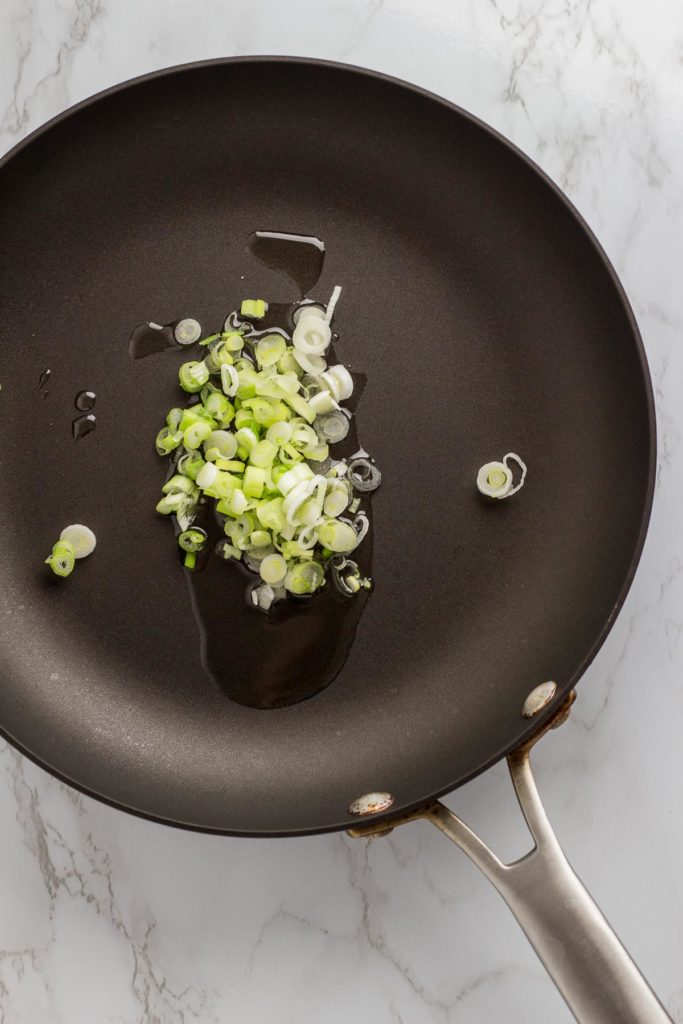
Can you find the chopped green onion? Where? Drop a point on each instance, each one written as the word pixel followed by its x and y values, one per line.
pixel 287 481
pixel 186 515
pixel 254 309
pixel 273 570
pixel 314 365
pixel 243 418
pixel 217 405
pixel 332 426
pixel 336 498
pixel 346 576
pixel 282 402
pixel 337 536
pixel 302 434
pixel 238 502
pixel 296 497
pixel 230 380
pixel 223 441
pixel 495 479
pixel 312 333
pixel 288 363
pixel 166 442
pixel 263 454
pixel 195 434
pixel 277 385
pixel 246 438
pixel 254 481
pixel 361 525
pixel 171 503
pixel 260 538
pixel 277 471
pixel 344 379
pixel 289 455
pixel 62 559
pixel 230 465
pixel 262 597
pixel 187 331
pixel 173 419
pixel 222 486
pixel 178 483
pixel 317 452
pixel 364 475
pixel 271 515
pixel 190 464
pixel 304 578
pixel 301 407
pixel 234 342
pixel 193 376
pixel 193 415
pixel 217 358
pixel 207 475
pixel 224 549
pixel 248 380
pixel 322 402
pixel 334 299
pixel 331 384
pixel 270 349
pixel 279 433
pixel 263 411
pixel 192 540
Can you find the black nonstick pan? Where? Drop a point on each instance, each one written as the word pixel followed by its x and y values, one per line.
pixel 486 320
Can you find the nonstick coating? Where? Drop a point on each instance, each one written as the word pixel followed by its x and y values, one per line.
pixel 486 319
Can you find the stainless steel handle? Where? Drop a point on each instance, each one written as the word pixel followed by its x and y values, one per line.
pixel 574 942
pixel 596 976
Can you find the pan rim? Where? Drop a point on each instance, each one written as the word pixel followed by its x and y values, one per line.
pixel 532 726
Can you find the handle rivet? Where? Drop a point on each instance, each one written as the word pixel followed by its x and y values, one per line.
pixel 539 698
pixel 371 803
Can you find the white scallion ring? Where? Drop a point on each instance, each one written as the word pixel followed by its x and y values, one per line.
pixel 81 538
pixel 495 480
pixel 187 331
pixel 229 380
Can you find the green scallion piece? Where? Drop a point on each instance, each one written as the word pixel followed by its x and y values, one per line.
pixel 62 559
pixel 253 309
pixel 193 376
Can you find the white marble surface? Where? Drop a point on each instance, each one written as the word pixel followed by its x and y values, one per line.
pixel 105 918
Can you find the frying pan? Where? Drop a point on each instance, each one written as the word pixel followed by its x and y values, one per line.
pixel 486 318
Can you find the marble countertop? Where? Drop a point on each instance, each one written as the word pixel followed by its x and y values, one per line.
pixel 107 918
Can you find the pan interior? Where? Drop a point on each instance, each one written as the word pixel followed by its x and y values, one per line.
pixel 486 321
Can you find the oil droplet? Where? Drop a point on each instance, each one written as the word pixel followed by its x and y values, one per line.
pixel 43 382
pixel 300 257
pixel 85 400
pixel 150 338
pixel 83 425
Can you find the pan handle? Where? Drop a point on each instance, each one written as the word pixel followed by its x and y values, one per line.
pixel 596 976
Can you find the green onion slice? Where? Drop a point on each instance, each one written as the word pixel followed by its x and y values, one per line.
pixel 81 538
